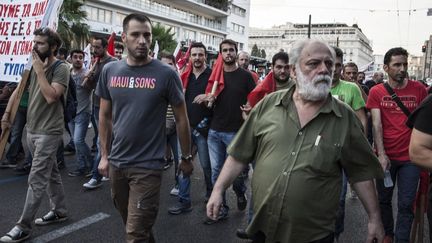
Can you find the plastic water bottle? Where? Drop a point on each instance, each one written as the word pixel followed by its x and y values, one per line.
pixel 388 182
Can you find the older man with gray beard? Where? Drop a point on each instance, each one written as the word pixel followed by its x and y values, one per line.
pixel 301 138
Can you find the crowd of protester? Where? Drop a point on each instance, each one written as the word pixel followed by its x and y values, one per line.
pixel 306 130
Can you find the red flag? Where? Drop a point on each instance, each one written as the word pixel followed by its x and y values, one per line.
pixel 267 86
pixel 215 84
pixel 110 48
pixel 181 62
pixel 185 75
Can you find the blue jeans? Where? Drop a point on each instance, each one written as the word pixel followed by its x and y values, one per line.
pixel 217 144
pixel 15 145
pixel 203 154
pixel 83 155
pixel 97 158
pixel 406 174
pixel 340 216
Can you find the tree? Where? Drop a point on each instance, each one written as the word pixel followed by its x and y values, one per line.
pixel 263 53
pixel 165 38
pixel 255 51
pixel 71 28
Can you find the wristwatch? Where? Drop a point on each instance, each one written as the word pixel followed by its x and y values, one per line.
pixel 187 157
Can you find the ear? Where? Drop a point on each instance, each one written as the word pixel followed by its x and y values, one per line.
pixel 123 37
pixel 385 67
pixel 293 72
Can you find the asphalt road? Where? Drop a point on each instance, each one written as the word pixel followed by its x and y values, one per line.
pixel 93 218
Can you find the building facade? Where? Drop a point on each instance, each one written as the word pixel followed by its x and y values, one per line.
pixel 355 45
pixel 190 20
pixel 427 59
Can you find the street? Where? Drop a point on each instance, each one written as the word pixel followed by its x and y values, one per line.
pixel 93 218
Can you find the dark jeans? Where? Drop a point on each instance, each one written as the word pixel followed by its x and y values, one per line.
pixel 406 175
pixel 261 238
pixel 15 145
pixel 429 211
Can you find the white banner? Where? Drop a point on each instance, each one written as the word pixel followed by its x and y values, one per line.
pixel 18 20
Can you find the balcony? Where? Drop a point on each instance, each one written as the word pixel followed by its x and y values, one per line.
pixel 170 12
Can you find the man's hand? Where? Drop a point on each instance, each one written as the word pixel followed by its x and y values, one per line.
pixel 186 167
pixel 384 161
pixel 104 167
pixel 5 124
pixel 199 99
pixel 245 110
pixel 37 63
pixel 214 204
pixel 375 231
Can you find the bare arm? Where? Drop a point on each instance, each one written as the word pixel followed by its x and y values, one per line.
pixel 5 120
pixel 378 137
pixel 105 133
pixel 183 131
pixel 51 92
pixel 420 149
pixel 367 194
pixel 361 114
pixel 231 169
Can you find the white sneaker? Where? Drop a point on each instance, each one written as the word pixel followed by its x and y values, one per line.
pixel 92 184
pixel 105 178
pixel 174 191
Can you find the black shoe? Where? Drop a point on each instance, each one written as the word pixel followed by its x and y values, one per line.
pixel 179 208
pixel 241 202
pixel 15 235
pixel 223 214
pixel 76 173
pixel 69 148
pixel 50 218
pixel 242 234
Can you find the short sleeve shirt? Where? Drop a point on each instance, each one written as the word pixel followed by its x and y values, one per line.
pixel 421 118
pixel 139 97
pixel 349 93
pixel 396 135
pixel 296 166
pixel 44 118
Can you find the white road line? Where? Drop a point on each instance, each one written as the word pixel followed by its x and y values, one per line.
pixel 70 228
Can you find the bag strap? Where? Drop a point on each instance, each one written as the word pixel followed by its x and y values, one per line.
pixel 396 99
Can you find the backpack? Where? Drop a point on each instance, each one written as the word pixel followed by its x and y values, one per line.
pixel 71 103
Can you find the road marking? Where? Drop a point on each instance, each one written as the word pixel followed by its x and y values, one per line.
pixel 70 228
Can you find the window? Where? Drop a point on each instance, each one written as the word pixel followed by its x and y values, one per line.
pixel 119 18
pixel 238 10
pixel 98 14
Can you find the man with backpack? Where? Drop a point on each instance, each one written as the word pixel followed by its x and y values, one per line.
pixel 45 124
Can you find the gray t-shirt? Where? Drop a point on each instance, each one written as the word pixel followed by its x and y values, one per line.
pixel 139 96
pixel 83 94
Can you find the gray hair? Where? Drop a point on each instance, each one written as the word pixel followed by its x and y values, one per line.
pixel 298 47
pixel 243 52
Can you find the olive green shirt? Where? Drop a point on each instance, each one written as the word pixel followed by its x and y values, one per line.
pixel 44 118
pixel 298 173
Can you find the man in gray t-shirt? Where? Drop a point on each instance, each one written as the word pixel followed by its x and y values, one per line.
pixel 135 93
pixel 80 122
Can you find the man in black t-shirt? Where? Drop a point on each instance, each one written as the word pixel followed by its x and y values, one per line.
pixel 420 148
pixel 227 119
pixel 195 79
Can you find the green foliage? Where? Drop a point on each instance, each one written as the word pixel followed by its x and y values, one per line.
pixel 71 28
pixel 255 51
pixel 263 53
pixel 165 38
